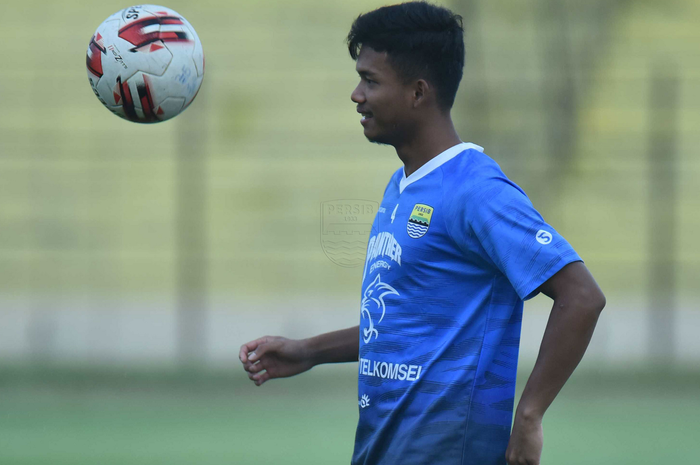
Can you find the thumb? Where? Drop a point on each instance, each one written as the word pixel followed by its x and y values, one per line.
pixel 260 351
pixel 255 356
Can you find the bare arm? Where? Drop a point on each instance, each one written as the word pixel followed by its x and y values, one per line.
pixel 278 357
pixel 336 347
pixel 578 302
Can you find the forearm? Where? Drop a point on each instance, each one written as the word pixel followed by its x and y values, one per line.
pixel 565 340
pixel 335 347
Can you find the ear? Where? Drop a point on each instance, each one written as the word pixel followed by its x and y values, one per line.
pixel 421 92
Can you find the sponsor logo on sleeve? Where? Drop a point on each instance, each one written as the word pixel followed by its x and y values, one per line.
pixel 543 237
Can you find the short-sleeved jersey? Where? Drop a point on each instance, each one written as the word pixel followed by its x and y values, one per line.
pixel 454 250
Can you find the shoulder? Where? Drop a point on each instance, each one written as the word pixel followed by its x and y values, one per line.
pixel 473 177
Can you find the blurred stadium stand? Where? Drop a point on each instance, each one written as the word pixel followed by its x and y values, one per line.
pixel 112 233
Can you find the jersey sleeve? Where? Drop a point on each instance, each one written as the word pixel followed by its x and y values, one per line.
pixel 498 218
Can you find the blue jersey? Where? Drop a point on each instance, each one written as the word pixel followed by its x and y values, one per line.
pixel 454 250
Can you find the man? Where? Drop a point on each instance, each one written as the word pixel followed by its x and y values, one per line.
pixel 454 250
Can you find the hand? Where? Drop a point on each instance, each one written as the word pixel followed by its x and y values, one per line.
pixel 274 357
pixel 525 445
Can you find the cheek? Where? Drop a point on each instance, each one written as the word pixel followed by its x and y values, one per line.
pixel 397 111
pixel 389 105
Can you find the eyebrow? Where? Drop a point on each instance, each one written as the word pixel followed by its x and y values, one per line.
pixel 365 73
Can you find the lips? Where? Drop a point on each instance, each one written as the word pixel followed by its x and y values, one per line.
pixel 366 115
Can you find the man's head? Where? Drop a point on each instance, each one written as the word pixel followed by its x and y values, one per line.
pixel 410 59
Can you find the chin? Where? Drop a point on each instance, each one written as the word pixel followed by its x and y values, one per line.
pixel 377 139
pixel 379 142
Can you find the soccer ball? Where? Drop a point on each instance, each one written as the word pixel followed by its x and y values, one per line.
pixel 145 63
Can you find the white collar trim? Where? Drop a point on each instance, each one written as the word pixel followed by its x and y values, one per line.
pixel 434 163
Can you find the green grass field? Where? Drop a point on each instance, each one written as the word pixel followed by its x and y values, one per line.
pixel 83 417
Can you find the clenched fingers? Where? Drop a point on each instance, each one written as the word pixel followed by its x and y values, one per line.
pixel 249 347
pixel 255 368
pixel 259 378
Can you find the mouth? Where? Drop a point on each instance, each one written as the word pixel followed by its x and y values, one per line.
pixel 366 116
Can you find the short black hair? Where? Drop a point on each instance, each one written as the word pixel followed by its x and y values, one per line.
pixel 420 39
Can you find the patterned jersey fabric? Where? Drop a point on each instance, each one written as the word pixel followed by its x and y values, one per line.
pixel 454 250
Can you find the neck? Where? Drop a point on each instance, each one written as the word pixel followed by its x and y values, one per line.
pixel 427 142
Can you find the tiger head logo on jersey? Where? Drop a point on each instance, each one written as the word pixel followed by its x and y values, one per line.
pixel 419 221
pixel 373 299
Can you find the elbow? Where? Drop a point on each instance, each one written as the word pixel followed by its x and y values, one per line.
pixel 589 299
pixel 594 300
pixel 599 301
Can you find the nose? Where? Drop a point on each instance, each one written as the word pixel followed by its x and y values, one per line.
pixel 357 96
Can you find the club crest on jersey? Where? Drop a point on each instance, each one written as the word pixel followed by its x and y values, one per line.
pixel 419 221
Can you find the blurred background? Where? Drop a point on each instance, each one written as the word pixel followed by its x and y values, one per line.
pixel 135 260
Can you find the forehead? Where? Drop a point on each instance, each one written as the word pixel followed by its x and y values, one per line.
pixel 370 61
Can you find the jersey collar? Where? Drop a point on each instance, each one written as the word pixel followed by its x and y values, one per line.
pixel 435 162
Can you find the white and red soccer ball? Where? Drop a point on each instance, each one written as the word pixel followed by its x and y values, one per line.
pixel 145 63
